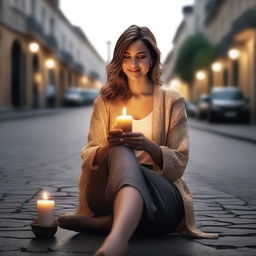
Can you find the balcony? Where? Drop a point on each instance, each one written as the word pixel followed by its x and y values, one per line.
pixel 79 67
pixel 34 27
pixel 243 23
pixel 66 57
pixel 51 41
pixel 211 9
pixel 94 75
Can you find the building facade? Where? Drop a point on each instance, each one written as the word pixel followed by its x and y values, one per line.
pixel 185 29
pixel 42 55
pixel 230 25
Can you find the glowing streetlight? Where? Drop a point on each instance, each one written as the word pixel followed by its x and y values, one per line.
pixel 175 83
pixel 84 80
pixel 50 63
pixel 38 77
pixel 200 75
pixel 233 54
pixel 34 47
pixel 216 67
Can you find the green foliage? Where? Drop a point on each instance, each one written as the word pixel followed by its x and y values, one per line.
pixel 195 53
pixel 203 58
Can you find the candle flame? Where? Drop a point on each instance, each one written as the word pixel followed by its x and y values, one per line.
pixel 45 196
pixel 124 111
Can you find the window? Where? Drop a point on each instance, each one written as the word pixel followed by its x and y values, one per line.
pixel 63 41
pixel 235 73
pixel 42 15
pixel 33 6
pixel 19 4
pixel 52 26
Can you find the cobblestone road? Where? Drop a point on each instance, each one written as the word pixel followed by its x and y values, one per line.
pixel 43 154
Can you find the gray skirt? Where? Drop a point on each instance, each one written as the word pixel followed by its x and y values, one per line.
pixel 163 206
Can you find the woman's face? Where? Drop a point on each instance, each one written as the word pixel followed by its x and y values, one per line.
pixel 136 60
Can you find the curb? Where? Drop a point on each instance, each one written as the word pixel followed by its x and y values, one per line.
pixel 8 116
pixel 36 113
pixel 233 136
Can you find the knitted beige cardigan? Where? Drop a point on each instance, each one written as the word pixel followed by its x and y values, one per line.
pixel 169 130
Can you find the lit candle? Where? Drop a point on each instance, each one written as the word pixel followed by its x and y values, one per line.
pixel 45 210
pixel 124 122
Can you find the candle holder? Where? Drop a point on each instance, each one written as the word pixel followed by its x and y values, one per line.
pixel 44 231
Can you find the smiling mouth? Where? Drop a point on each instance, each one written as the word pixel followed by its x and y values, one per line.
pixel 134 71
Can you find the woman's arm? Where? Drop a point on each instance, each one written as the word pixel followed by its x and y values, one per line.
pixel 155 152
pixel 101 151
pixel 137 141
pixel 97 137
pixel 175 151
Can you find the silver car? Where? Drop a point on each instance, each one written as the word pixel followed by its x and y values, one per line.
pixel 79 96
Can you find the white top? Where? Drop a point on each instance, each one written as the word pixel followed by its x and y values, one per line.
pixel 144 126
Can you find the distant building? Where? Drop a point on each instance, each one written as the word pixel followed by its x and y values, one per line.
pixel 231 26
pixel 42 55
pixel 185 29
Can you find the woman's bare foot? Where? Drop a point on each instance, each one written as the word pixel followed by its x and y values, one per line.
pixel 112 246
pixel 81 223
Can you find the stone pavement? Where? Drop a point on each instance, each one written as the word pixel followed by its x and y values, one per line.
pixel 216 211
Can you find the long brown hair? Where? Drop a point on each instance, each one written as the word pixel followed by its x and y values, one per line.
pixel 116 88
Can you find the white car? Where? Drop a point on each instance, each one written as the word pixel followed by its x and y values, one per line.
pixel 79 96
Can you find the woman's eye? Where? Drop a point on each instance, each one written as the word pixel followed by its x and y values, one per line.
pixel 142 57
pixel 126 57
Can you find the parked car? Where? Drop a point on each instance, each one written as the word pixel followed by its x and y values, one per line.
pixel 203 106
pixel 79 96
pixel 50 94
pixel 191 109
pixel 228 103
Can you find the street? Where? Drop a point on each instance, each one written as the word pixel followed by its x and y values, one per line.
pixel 43 153
pixel 225 164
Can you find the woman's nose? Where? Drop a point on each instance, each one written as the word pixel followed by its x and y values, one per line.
pixel 134 62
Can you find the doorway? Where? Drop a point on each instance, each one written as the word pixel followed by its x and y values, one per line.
pixel 35 85
pixel 17 75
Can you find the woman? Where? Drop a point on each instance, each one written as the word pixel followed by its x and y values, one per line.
pixel 133 180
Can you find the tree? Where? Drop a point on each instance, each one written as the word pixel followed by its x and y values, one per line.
pixel 195 53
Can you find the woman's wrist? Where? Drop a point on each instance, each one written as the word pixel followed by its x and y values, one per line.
pixel 155 151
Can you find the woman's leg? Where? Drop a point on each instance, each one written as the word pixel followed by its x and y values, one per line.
pixel 110 190
pixel 81 223
pixel 128 207
pixel 96 191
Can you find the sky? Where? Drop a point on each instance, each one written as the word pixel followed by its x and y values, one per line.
pixel 105 20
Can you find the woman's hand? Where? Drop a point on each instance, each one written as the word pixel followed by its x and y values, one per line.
pixel 136 140
pixel 114 137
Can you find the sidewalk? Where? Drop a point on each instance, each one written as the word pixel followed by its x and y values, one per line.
pixel 28 113
pixel 246 132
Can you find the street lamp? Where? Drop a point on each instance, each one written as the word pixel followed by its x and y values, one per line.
pixel 38 77
pixel 175 83
pixel 34 47
pixel 50 63
pixel 216 66
pixel 84 80
pixel 233 53
pixel 200 75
